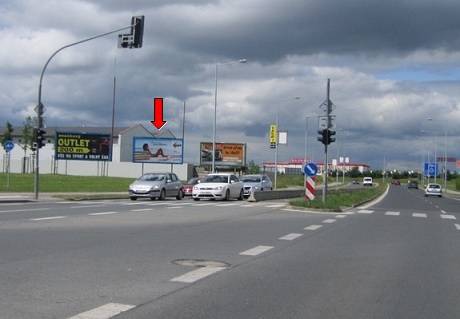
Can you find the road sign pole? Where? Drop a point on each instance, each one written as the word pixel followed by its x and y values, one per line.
pixel 8 172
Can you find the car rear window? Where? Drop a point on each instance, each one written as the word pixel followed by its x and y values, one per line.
pixel 434 186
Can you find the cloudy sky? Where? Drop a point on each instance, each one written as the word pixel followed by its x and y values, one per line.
pixel 392 64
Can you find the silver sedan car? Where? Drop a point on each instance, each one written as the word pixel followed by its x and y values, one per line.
pixel 256 183
pixel 156 185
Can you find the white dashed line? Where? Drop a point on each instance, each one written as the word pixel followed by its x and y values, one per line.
pixel 392 213
pixel 448 217
pixel 365 211
pixel 340 216
pixel 87 206
pixel 204 204
pixel 329 221
pixel 313 227
pixel 294 210
pixel 103 312
pixel 348 213
pixel 102 213
pixel 457 226
pixel 48 218
pixel 140 210
pixel 225 205
pixel 256 250
pixel 173 207
pixel 291 236
pixel 197 274
pixel 22 210
pixel 248 205
pixel 421 215
pixel 275 206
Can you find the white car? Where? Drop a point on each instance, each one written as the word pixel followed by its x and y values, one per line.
pixel 367 181
pixel 218 186
pixel 433 190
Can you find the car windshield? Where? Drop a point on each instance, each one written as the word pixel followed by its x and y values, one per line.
pixel 216 179
pixel 435 186
pixel 367 178
pixel 152 177
pixel 250 179
pixel 192 181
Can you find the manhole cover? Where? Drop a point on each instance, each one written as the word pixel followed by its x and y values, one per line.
pixel 200 263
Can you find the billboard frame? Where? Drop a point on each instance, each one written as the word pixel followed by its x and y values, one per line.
pixel 161 139
pixel 81 159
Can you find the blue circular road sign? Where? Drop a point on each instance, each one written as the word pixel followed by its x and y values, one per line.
pixel 8 146
pixel 310 169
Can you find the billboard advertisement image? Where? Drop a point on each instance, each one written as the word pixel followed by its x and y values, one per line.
pixel 157 150
pixel 82 146
pixel 227 154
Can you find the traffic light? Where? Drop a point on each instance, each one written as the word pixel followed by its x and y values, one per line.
pixel 41 137
pixel 138 31
pixel 325 136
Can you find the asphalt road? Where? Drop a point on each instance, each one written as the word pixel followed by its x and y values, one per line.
pixel 398 259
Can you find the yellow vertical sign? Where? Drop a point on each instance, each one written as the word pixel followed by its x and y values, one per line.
pixel 273 134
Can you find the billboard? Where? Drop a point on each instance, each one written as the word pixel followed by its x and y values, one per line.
pixel 82 146
pixel 157 150
pixel 227 154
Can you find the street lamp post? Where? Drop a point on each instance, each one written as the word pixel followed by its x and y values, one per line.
pixel 215 114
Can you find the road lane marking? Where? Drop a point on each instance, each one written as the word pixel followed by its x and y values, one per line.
pixel 457 226
pixel 87 206
pixel 23 210
pixel 290 236
pixel 103 213
pixel 68 202
pixel 421 215
pixel 329 221
pixel 365 211
pixel 392 213
pixel 225 205
pixel 104 312
pixel 255 251
pixel 275 205
pixel 443 211
pixel 140 210
pixel 204 204
pixel 348 213
pixel 173 207
pixel 248 205
pixel 448 217
pixel 197 274
pixel 48 218
pixel 313 227
pixel 340 216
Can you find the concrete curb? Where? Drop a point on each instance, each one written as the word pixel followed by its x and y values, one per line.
pixel 373 201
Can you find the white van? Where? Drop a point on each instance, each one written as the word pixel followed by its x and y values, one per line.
pixel 367 181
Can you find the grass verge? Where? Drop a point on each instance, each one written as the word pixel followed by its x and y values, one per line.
pixel 339 199
pixel 23 183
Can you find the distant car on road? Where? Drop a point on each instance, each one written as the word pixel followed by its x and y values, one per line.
pixel 156 185
pixel 188 187
pixel 395 182
pixel 367 181
pixel 433 190
pixel 355 182
pixel 256 183
pixel 218 186
pixel 412 184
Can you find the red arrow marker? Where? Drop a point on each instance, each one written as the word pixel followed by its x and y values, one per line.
pixel 158 121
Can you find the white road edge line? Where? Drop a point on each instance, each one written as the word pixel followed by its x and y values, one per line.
pixel 173 207
pixel 290 236
pixel 140 210
pixel 421 215
pixel 104 312
pixel 23 210
pixel 313 227
pixel 48 218
pixel 448 217
pixel 255 251
pixel 275 206
pixel 102 213
pixel 197 274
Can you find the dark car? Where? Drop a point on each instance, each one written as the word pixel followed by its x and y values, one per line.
pixel 412 184
pixel 396 182
pixel 188 187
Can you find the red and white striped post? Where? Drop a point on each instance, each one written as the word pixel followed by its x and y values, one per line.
pixel 310 189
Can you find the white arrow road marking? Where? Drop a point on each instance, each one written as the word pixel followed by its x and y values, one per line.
pixel 256 250
pixel 103 312
pixel 197 274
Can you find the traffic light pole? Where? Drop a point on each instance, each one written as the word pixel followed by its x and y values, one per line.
pixel 329 106
pixel 39 108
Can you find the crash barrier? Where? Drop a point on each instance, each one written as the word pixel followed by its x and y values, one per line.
pixel 279 194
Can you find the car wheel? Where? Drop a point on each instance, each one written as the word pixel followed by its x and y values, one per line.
pixel 133 198
pixel 162 194
pixel 180 195
pixel 227 195
pixel 152 198
pixel 241 197
pixel 261 189
pixel 197 199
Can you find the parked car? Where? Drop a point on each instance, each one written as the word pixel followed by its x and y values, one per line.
pixel 256 183
pixel 188 187
pixel 412 184
pixel 395 182
pixel 218 186
pixel 156 185
pixel 367 181
pixel 433 190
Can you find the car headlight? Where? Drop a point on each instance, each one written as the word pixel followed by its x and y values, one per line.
pixel 256 187
pixel 195 188
pixel 218 188
pixel 154 187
